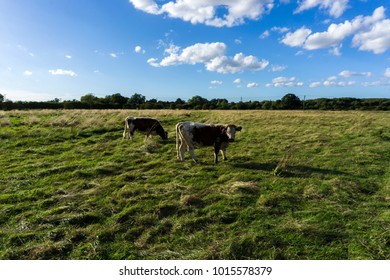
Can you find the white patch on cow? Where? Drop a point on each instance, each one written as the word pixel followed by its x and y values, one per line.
pixel 184 140
pixel 128 128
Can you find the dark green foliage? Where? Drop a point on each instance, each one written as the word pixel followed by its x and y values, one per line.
pixel 137 101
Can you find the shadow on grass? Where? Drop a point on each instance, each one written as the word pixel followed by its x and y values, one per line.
pixel 290 171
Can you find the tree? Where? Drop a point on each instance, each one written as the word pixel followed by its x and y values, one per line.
pixel 89 99
pixel 116 100
pixel 197 102
pixel 290 101
pixel 135 101
pixel 1 98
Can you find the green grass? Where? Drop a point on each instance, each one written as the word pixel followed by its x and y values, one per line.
pixel 297 185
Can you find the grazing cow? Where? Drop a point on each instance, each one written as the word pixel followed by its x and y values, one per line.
pixel 190 134
pixel 147 125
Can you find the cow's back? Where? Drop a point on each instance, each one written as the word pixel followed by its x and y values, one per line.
pixel 206 135
pixel 144 124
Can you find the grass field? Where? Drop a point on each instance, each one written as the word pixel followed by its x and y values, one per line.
pixel 297 185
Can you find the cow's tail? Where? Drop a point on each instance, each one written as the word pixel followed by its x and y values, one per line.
pixel 127 128
pixel 178 139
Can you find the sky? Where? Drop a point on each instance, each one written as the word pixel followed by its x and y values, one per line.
pixel 233 49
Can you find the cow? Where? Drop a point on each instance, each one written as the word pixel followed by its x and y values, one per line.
pixel 147 125
pixel 190 135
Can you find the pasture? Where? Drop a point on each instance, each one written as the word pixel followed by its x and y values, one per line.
pixel 297 185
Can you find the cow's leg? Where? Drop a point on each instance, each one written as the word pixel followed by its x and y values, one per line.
pixel 131 133
pixel 223 150
pixel 181 150
pixel 126 131
pixel 216 151
pixel 191 151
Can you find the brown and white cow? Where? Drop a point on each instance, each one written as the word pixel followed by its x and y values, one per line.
pixel 190 135
pixel 147 125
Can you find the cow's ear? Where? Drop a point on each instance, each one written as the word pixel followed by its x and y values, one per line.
pixel 238 128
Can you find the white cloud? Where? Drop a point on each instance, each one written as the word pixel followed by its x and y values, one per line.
pixel 375 84
pixel 333 82
pixel 277 68
pixel 336 50
pixel 239 81
pixel 68 56
pixel 387 73
pixel 212 55
pixel 114 55
pixel 335 8
pixel 63 72
pixel 348 74
pixel 138 49
pixel 153 62
pixel 252 85
pixel 216 82
pixel 370 33
pixel 238 63
pixel 284 82
pixel 297 38
pixel 315 84
pixel 280 29
pixel 27 73
pixel 264 35
pixel 377 39
pixel 148 6
pixel 217 13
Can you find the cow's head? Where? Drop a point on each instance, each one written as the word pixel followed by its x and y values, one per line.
pixel 231 131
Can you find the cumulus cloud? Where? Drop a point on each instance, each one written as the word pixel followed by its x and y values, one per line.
pixel 280 29
pixel 333 81
pixel 335 50
pixel 277 68
pixel 376 39
pixel 62 72
pixel 139 49
pixel 149 6
pixel 209 12
pixel 252 85
pixel 284 82
pixel 27 73
pixel 264 35
pixel 370 33
pixel 216 82
pixel 238 82
pixel 334 8
pixel 212 55
pixel 348 74
pixel 387 73
pixel 277 29
pixel 153 62
pixel 315 84
pixel 238 63
pixel 376 84
pixel 297 38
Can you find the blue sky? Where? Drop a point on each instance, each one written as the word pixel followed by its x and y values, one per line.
pixel 233 49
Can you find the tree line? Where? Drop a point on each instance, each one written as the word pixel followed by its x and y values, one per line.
pixel 137 101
